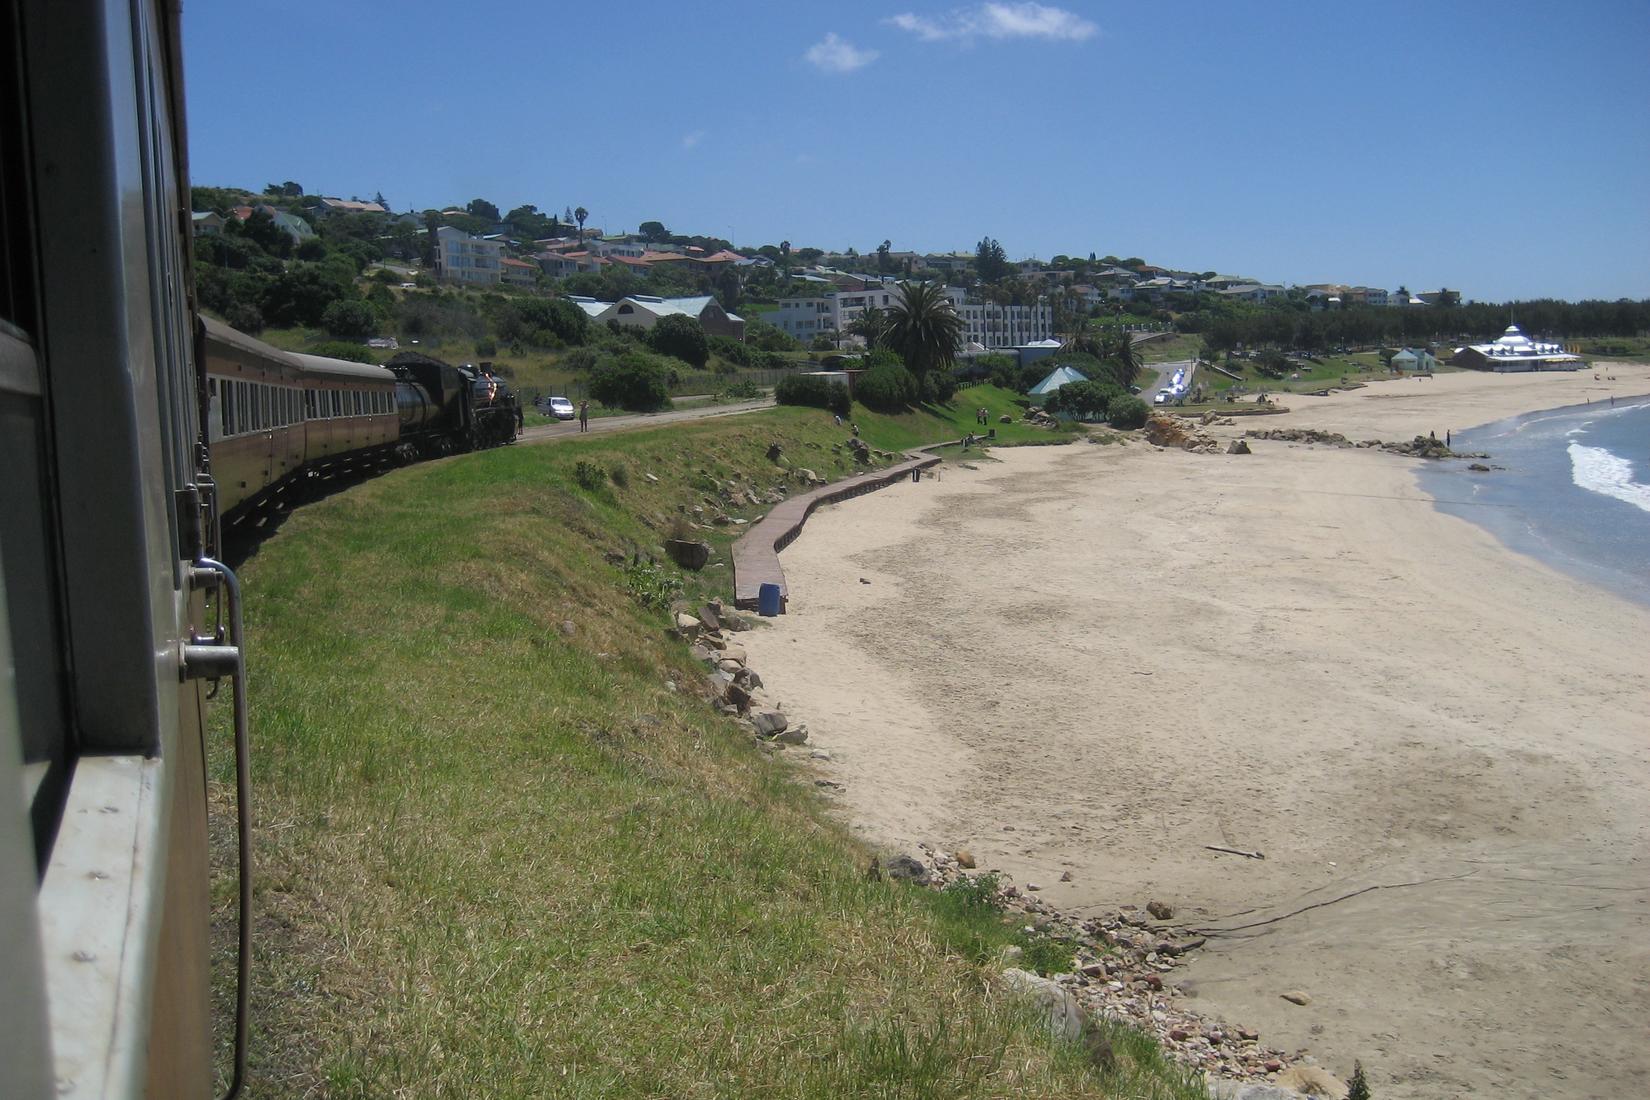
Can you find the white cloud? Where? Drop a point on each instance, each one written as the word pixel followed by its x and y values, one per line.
pixel 1001 20
pixel 834 54
pixel 689 140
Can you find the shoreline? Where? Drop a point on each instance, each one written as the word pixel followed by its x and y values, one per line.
pixel 1097 660
pixel 1520 516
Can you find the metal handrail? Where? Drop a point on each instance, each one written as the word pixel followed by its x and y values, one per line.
pixel 214 661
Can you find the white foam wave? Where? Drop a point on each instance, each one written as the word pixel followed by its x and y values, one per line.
pixel 1600 471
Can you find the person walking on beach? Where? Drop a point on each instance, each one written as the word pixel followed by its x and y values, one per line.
pixel 1446 437
pixel 584 416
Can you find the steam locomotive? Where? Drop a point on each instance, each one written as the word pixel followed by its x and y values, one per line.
pixel 278 421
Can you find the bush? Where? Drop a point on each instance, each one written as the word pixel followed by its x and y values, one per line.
pixel 814 392
pixel 652 585
pixel 940 386
pixel 1127 411
pixel 731 350
pixel 487 347
pixel 1085 400
pixel 887 387
pixel 589 476
pixel 246 317
pixel 822 343
pixel 338 349
pixel 580 360
pixel 681 337
pixel 742 390
pixel 635 381
pixel 620 473
pixel 765 337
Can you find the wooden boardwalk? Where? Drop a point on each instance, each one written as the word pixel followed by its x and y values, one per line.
pixel 756 553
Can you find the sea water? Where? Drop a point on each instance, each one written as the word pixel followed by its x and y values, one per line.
pixel 1570 486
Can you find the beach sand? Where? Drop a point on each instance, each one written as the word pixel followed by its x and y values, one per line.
pixel 1100 659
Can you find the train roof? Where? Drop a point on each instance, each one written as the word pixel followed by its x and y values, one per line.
pixel 341 368
pixel 298 362
pixel 220 333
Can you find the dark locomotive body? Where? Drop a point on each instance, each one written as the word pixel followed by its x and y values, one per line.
pixel 446 408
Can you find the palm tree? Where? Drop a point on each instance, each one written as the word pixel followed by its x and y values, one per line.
pixel 785 258
pixel 580 214
pixel 1120 350
pixel 871 325
pixel 923 328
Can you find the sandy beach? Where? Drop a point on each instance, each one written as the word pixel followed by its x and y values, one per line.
pixel 1101 659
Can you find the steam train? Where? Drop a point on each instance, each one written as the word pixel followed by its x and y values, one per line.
pixel 278 421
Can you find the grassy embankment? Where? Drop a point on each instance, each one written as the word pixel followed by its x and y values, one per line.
pixel 497 855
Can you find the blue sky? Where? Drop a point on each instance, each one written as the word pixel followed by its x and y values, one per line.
pixel 1500 148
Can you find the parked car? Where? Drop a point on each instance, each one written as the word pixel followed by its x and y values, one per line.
pixel 558 407
pixel 1161 397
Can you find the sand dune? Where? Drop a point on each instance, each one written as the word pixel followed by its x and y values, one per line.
pixel 1101 659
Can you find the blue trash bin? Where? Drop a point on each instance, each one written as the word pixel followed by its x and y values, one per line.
pixel 768 601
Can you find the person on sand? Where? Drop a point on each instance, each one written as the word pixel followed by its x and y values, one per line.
pixel 1446 437
pixel 584 416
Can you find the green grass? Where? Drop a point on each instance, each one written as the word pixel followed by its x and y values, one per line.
pixel 1171 349
pixel 496 857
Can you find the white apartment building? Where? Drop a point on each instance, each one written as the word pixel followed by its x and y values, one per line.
pixel 993 326
pixel 984 323
pixel 461 258
pixel 830 313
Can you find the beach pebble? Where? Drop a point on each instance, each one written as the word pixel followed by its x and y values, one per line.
pixel 1295 996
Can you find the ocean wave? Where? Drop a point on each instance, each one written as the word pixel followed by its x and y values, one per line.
pixel 1600 471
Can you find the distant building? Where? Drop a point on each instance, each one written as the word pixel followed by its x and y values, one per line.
pixel 347 206
pixel 645 310
pixel 461 258
pixel 208 223
pixel 1415 359
pixel 518 272
pixel 1515 352
pixel 996 326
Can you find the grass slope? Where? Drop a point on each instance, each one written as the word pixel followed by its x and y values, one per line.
pixel 498 856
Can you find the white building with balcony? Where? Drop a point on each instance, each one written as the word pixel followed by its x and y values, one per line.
pixel 461 258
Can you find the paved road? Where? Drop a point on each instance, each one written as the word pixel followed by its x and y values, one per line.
pixel 569 429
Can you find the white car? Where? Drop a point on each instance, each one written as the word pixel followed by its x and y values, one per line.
pixel 1162 397
pixel 559 407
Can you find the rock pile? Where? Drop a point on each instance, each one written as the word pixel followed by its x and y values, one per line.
pixel 733 686
pixel 1164 430
pixel 1123 970
pixel 1422 446
pixel 1041 418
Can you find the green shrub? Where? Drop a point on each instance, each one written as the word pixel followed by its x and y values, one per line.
pixel 589 476
pixel 765 337
pixel 742 390
pixel 487 347
pixel 620 473
pixel 635 381
pixel 814 392
pixel 652 585
pixel 681 337
pixel 1047 956
pixel 1127 411
pixel 246 317
pixel 939 386
pixel 1085 400
pixel 349 319
pixel 887 387
pixel 340 349
pixel 744 355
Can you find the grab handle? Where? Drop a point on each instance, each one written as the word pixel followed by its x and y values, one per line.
pixel 214 662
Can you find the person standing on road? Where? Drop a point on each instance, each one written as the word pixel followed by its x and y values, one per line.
pixel 584 416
